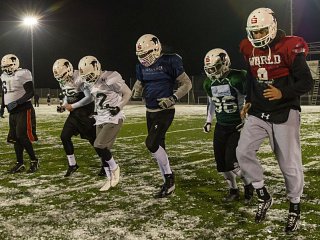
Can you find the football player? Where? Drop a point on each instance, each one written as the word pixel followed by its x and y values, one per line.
pixel 225 88
pixel 2 102
pixel 78 101
pixel 157 75
pixel 111 94
pixel 278 76
pixel 17 90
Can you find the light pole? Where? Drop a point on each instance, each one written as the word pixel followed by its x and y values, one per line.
pixel 31 21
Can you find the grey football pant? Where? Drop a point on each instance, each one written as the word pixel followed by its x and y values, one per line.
pixel 285 143
pixel 107 134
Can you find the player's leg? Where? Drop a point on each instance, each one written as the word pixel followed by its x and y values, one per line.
pixel 252 135
pixel 87 130
pixel 231 161
pixel 106 136
pixel 68 131
pixel 158 123
pixel 25 130
pixel 225 161
pixel 288 152
pixel 18 148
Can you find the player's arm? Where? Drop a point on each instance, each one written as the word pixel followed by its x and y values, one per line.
pixel 303 81
pixel 210 113
pixel 185 85
pixel 126 95
pixel 2 103
pixel 29 92
pixel 28 87
pixel 137 89
pixel 84 101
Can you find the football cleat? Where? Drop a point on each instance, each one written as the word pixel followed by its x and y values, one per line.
pixel 19 167
pixel 168 187
pixel 34 165
pixel 292 222
pixel 233 195
pixel 263 206
pixel 71 170
pixel 115 176
pixel 106 186
pixel 248 193
pixel 102 172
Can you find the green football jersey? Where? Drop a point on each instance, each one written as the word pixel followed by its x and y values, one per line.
pixel 227 95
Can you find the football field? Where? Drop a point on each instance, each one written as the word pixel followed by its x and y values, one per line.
pixel 46 205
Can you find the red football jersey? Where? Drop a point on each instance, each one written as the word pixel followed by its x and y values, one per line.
pixel 274 62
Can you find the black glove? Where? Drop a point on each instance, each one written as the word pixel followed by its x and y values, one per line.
pixel 165 103
pixel 207 127
pixel 12 105
pixel 114 110
pixel 60 109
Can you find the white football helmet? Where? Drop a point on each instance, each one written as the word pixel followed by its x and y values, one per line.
pixel 9 63
pixel 89 69
pixel 148 49
pixel 216 63
pixel 259 20
pixel 62 70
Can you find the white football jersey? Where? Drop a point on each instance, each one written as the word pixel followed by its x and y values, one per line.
pixel 106 92
pixel 12 85
pixel 73 90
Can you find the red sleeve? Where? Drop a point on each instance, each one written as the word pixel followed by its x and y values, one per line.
pixel 246 48
pixel 295 45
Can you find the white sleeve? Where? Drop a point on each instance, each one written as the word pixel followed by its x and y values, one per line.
pixel 84 101
pixel 126 95
pixel 210 110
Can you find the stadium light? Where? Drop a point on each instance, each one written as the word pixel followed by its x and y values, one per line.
pixel 31 22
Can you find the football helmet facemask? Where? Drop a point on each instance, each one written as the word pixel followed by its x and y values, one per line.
pixel 9 63
pixel 148 49
pixel 216 63
pixel 261 20
pixel 62 70
pixel 89 69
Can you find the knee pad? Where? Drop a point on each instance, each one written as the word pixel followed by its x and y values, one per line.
pixel 152 147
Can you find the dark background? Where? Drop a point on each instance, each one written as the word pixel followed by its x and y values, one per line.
pixel 109 29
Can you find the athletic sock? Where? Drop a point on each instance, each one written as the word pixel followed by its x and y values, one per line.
pixel 71 160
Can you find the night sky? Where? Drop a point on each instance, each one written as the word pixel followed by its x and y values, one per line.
pixel 109 29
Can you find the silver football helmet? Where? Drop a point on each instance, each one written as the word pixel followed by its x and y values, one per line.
pixel 9 63
pixel 261 20
pixel 148 49
pixel 216 63
pixel 62 70
pixel 89 69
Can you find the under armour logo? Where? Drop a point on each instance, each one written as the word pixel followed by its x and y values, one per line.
pixel 266 116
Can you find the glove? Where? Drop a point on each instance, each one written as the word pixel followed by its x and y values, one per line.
pixel 60 109
pixel 114 110
pixel 12 105
pixel 165 103
pixel 207 127
pixel 135 94
pixel 239 127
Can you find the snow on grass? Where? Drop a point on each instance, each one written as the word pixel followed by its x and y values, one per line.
pixel 48 206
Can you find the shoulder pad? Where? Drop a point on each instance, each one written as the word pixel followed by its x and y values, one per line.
pixel 172 55
pixel 24 73
pixel 111 77
pixel 295 45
